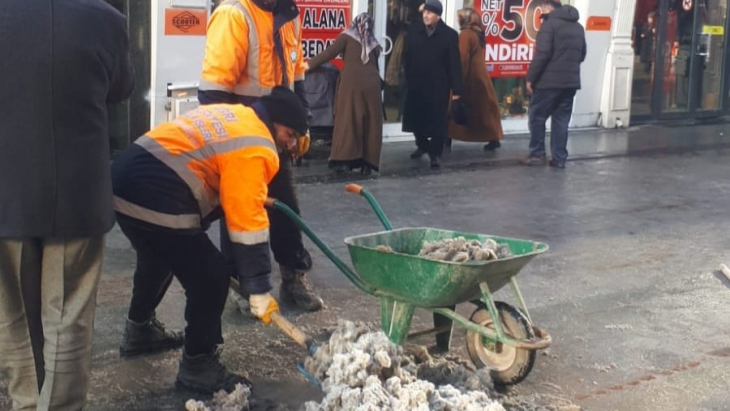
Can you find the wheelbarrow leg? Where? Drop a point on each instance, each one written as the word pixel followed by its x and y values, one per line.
pixel 396 319
pixel 443 339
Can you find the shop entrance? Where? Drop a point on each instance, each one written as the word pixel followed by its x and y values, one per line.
pixel 680 59
pixel 391 24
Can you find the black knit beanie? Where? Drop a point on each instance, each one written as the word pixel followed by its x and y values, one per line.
pixel 285 108
pixel 434 6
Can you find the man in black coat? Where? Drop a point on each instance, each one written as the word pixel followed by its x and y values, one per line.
pixel 433 74
pixel 62 62
pixel 553 79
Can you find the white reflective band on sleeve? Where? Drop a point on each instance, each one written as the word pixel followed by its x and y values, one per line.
pixel 181 221
pixel 249 237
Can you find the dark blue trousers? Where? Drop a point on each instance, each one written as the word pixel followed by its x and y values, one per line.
pixel 557 104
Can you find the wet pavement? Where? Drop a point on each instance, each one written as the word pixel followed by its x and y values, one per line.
pixel 582 144
pixel 628 290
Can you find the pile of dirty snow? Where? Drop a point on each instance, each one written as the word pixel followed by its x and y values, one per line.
pixel 460 250
pixel 364 371
pixel 223 401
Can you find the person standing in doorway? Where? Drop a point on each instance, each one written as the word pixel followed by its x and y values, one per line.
pixel 553 79
pixel 358 133
pixel 63 62
pixel 484 121
pixel 433 74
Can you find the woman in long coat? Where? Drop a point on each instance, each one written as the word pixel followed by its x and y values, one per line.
pixel 358 131
pixel 484 123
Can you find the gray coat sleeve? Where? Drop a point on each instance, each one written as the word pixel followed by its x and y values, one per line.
pixel 122 80
pixel 543 52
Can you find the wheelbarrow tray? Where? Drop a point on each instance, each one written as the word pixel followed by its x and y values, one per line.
pixel 404 276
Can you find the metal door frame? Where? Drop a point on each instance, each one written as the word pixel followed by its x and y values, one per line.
pixel 693 110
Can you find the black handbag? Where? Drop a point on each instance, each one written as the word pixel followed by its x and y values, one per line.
pixel 460 112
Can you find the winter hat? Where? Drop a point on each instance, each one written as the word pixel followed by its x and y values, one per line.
pixel 434 6
pixel 285 108
pixel 554 3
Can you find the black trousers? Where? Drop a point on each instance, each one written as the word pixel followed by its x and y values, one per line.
pixel 201 269
pixel 285 235
pixel 433 146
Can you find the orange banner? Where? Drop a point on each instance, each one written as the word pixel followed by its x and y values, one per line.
pixel 598 23
pixel 185 22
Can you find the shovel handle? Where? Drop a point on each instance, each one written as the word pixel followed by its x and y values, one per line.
pixel 291 330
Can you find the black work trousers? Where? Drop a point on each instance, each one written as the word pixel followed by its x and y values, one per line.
pixel 285 235
pixel 199 267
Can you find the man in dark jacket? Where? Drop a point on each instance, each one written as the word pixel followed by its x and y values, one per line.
pixel 433 73
pixel 63 62
pixel 553 79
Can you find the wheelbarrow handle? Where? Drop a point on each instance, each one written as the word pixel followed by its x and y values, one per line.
pixel 354 188
pixel 273 203
pixel 357 189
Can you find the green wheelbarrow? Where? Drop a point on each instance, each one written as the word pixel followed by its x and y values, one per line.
pixel 499 336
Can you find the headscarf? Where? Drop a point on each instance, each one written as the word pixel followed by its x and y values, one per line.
pixel 362 31
pixel 469 20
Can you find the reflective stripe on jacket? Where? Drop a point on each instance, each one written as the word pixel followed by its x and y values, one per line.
pixel 240 56
pixel 226 156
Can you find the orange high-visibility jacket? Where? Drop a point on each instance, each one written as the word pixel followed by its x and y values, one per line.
pixel 226 156
pixel 240 57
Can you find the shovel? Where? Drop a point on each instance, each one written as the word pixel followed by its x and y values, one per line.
pixel 296 334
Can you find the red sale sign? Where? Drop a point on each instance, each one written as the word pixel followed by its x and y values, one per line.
pixel 322 21
pixel 510 31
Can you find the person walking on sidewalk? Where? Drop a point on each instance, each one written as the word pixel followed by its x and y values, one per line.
pixel 251 47
pixel 553 79
pixel 168 187
pixel 484 121
pixel 358 132
pixel 63 62
pixel 433 74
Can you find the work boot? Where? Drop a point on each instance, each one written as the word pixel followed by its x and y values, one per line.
pixel 149 337
pixel 417 154
pixel 296 290
pixel 205 374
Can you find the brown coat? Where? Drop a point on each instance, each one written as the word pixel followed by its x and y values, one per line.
pixel 358 131
pixel 484 119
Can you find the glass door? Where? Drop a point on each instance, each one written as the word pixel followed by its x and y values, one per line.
pixel 680 55
pixel 393 21
pixel 709 54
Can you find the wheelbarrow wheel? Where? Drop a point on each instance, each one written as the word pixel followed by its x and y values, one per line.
pixel 508 365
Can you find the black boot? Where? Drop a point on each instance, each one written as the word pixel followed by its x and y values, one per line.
pixel 205 374
pixel 148 337
pixel 435 162
pixel 296 290
pixel 492 145
pixel 417 154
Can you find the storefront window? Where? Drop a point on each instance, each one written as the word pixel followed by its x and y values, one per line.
pixel 511 28
pixel 677 56
pixel 400 15
pixel 644 41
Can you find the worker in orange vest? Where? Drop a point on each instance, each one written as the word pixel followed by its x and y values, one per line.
pixel 252 46
pixel 168 188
